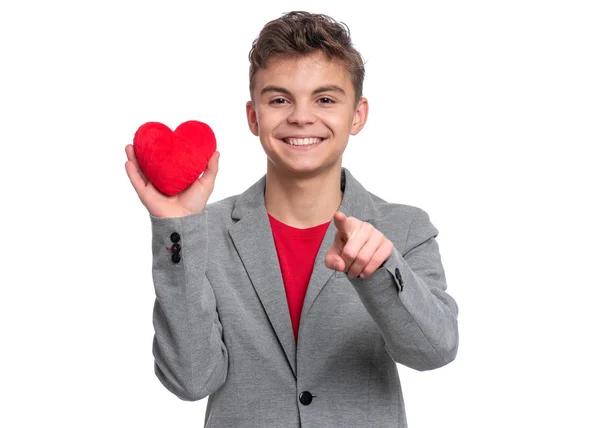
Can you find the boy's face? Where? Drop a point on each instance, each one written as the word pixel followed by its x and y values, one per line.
pixel 309 96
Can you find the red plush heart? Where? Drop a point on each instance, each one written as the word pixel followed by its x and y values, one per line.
pixel 172 161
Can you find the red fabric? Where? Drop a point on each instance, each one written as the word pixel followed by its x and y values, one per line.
pixel 173 160
pixel 297 251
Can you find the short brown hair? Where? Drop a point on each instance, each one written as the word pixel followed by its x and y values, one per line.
pixel 296 34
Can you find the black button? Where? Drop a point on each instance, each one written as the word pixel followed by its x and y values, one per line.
pixel 176 257
pixel 306 398
pixel 176 248
pixel 175 237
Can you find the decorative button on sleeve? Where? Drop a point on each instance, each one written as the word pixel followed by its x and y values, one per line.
pixel 175 248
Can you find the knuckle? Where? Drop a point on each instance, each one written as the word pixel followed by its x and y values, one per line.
pixel 361 260
pixel 348 252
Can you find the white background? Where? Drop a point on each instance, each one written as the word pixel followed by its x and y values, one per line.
pixel 485 114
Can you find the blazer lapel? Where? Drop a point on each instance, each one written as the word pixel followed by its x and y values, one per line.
pixel 253 239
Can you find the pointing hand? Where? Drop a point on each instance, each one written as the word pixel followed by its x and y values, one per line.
pixel 358 247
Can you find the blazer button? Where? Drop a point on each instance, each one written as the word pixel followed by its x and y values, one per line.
pixel 175 237
pixel 176 248
pixel 306 398
pixel 175 257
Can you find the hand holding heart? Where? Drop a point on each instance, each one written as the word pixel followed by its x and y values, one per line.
pixel 192 200
pixel 163 167
pixel 358 247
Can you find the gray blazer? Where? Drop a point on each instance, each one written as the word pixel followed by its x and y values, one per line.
pixel 223 329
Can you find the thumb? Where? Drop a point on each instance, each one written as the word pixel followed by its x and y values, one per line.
pixel 334 261
pixel 339 264
pixel 210 173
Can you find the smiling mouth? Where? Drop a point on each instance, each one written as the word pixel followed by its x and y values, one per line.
pixel 303 141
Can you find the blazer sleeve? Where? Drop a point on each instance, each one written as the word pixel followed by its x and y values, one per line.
pixel 190 357
pixel 407 299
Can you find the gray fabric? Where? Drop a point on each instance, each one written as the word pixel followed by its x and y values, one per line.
pixel 223 328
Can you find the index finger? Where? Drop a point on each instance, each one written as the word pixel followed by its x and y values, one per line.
pixel 342 224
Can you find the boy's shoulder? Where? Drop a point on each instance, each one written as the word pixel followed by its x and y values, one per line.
pixel 222 207
pixel 387 209
pixel 399 222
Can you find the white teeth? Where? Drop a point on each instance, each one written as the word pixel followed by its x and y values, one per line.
pixel 302 141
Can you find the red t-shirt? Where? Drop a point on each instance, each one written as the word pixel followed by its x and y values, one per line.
pixel 297 250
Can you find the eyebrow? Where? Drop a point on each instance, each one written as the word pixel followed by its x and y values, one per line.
pixel 327 88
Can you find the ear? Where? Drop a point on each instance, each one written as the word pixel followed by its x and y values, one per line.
pixel 252 120
pixel 361 113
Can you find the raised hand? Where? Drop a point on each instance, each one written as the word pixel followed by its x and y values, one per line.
pixel 358 247
pixel 190 201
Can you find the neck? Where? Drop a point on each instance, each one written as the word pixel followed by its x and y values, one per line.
pixel 303 201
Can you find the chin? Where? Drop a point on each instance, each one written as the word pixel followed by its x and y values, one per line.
pixel 302 169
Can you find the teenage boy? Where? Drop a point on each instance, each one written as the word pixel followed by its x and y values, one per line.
pixel 290 304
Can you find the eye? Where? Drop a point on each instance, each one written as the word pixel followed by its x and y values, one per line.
pixel 326 100
pixel 277 101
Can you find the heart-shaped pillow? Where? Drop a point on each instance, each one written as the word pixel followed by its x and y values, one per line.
pixel 172 161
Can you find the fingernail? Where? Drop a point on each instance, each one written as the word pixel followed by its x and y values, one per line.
pixel 362 275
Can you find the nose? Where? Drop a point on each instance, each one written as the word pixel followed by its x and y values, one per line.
pixel 301 114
